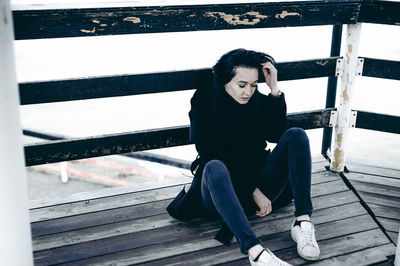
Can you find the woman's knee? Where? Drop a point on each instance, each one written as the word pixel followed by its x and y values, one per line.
pixel 215 171
pixel 296 134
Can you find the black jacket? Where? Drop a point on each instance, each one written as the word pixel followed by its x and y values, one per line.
pixel 236 134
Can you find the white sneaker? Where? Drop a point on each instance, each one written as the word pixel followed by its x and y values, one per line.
pixel 304 236
pixel 267 258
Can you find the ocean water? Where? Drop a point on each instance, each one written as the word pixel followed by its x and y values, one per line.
pixel 53 59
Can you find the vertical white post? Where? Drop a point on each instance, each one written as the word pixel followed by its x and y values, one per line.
pixel 397 258
pixel 15 233
pixel 64 173
pixel 346 91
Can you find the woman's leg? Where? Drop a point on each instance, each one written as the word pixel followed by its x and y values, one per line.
pixel 219 197
pixel 287 172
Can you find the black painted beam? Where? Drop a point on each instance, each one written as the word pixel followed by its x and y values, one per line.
pixel 379 68
pixel 311 119
pixel 101 87
pixel 77 22
pixel 80 148
pixel 381 12
pixel 378 122
pixel 336 43
pixel 143 155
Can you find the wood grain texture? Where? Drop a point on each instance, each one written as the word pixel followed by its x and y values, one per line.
pixel 165 239
pixel 222 256
pixel 389 171
pixel 76 22
pixel 129 234
pixel 198 253
pixel 126 85
pixel 394 237
pixel 141 226
pixel 380 199
pixel 367 178
pixel 379 68
pixel 377 254
pixel 378 122
pixel 390 225
pixel 376 188
pixel 80 148
pixel 381 12
pixel 386 211
pixel 94 205
pixel 157 195
pixel 109 192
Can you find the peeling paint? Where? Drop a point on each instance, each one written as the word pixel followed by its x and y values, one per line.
pixel 238 19
pixel 95 21
pixel 339 158
pixel 347 57
pixel 314 9
pixel 285 14
pixel 345 96
pixel 322 62
pixel 350 47
pixel 132 19
pixel 349 51
pixel 338 154
pixel 103 25
pixel 397 23
pixel 339 138
pixel 89 31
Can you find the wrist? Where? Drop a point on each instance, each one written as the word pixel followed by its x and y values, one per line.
pixel 275 93
pixel 255 191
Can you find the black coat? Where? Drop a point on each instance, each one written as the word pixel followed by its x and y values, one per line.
pixel 236 134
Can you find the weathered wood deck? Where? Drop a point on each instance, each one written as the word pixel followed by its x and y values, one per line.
pixel 130 225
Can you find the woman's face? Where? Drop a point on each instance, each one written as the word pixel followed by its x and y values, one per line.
pixel 243 84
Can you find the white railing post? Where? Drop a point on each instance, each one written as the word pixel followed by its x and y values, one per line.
pixel 346 91
pixel 397 256
pixel 15 233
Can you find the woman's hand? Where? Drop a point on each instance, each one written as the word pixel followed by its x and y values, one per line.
pixel 262 202
pixel 272 78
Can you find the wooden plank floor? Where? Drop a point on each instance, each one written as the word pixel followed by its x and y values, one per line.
pixel 130 226
pixel 379 187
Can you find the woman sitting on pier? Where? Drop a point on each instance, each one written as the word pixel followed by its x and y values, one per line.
pixel 236 176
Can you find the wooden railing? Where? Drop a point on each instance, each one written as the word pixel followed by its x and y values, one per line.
pixel 53 22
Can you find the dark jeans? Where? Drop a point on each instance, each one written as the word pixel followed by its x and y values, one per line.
pixel 286 174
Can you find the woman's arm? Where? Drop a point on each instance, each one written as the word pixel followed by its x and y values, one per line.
pixel 202 129
pixel 275 121
pixel 263 203
pixel 271 78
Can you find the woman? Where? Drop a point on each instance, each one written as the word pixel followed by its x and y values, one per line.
pixel 236 176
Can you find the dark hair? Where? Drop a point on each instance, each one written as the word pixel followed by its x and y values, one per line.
pixel 224 69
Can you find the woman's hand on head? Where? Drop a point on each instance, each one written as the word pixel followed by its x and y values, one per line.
pixel 263 203
pixel 271 76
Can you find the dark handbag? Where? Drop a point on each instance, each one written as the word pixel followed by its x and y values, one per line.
pixel 174 208
pixel 187 205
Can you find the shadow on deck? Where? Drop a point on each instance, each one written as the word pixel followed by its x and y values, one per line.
pixel 129 225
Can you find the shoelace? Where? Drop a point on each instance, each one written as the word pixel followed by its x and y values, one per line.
pixel 276 259
pixel 307 238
